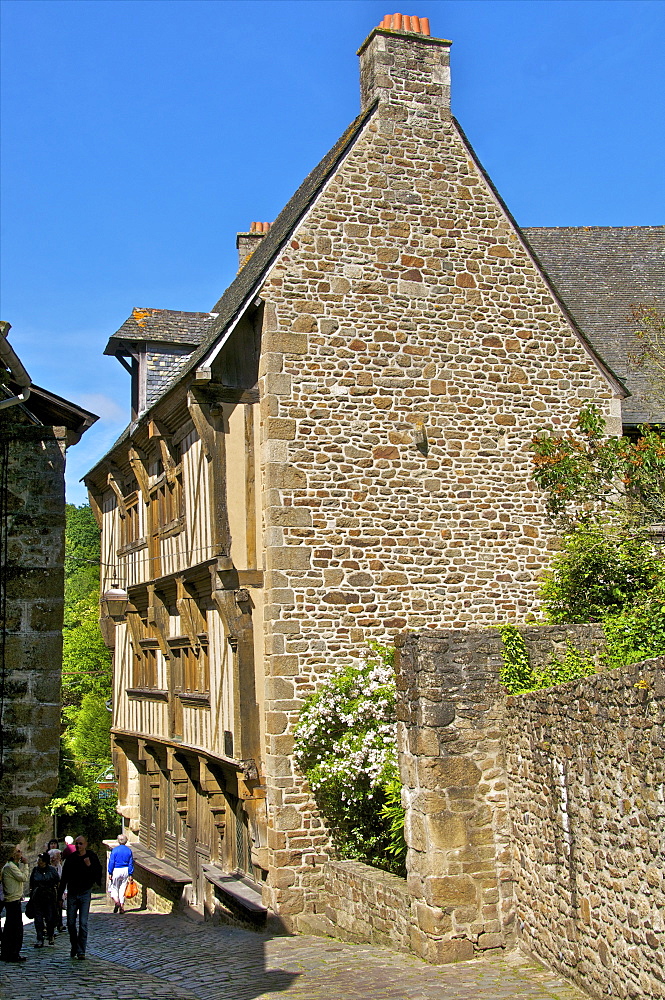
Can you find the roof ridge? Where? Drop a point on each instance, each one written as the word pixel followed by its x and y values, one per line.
pixel 174 312
pixel 586 228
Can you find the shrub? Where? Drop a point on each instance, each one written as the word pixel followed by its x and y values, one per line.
pixel 638 632
pixel 345 744
pixel 601 569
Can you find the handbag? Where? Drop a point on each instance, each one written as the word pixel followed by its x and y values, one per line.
pixel 131 889
pixel 30 909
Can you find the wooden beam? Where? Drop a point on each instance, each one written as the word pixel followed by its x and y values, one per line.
pixel 215 392
pixel 137 632
pixel 250 488
pixel 235 608
pixel 95 498
pixel 191 619
pixel 137 460
pixel 114 479
pixel 214 446
pixel 199 411
pixel 158 617
pixel 158 431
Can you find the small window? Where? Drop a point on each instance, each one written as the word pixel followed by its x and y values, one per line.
pixel 166 499
pixel 145 667
pixel 192 669
pixel 130 524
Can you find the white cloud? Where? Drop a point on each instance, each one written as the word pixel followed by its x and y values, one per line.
pixel 105 407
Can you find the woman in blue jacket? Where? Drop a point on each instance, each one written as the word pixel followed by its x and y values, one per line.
pixel 121 866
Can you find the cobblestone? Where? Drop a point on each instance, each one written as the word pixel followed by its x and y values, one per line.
pixel 152 956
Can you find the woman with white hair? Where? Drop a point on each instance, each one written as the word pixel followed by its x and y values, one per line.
pixel 121 866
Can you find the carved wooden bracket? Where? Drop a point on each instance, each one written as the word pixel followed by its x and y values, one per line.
pixel 136 631
pixel 192 620
pixel 96 505
pixel 107 628
pixel 159 432
pixel 158 617
pixel 137 460
pixel 146 755
pixel 203 421
pixel 114 480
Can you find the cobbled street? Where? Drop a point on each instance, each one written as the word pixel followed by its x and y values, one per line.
pixel 150 956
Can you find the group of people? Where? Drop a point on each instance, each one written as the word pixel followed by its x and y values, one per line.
pixel 59 876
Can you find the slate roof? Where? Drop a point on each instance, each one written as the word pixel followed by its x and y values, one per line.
pixel 164 326
pixel 601 272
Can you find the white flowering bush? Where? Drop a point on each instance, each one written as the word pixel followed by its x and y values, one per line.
pixel 345 744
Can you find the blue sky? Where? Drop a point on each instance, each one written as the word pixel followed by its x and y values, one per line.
pixel 138 136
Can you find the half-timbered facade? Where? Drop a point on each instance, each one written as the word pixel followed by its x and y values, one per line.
pixel 337 451
pixel 177 503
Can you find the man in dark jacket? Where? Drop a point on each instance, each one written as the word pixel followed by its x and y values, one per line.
pixel 79 873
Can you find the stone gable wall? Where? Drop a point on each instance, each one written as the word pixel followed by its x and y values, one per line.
pixel 33 580
pixel 410 352
pixel 586 763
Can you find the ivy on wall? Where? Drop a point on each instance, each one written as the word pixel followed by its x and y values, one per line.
pixel 519 676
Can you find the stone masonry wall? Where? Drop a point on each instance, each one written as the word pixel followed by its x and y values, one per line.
pixel 586 762
pixel 410 352
pixel 360 903
pixel 33 580
pixel 451 731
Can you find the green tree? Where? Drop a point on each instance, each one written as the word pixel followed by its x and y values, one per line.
pixel 86 662
pixel 591 475
pixel 81 554
pixel 86 684
pixel 601 569
pixel 90 734
pixel 604 493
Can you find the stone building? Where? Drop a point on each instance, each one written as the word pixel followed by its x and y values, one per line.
pixel 337 451
pixel 36 428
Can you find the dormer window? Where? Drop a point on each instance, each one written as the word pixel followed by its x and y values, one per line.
pixel 152 345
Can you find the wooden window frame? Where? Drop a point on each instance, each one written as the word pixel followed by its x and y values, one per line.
pixel 145 671
pixel 190 668
pixel 130 524
pixel 167 501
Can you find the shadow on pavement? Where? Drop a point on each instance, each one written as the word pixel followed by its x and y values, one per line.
pixel 147 956
pixel 213 962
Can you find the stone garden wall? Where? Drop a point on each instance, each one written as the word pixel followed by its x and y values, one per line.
pixel 586 763
pixel 536 820
pixel 360 903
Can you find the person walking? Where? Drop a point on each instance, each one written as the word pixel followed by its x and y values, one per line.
pixel 68 848
pixel 56 861
pixel 120 867
pixel 80 872
pixel 15 874
pixel 44 882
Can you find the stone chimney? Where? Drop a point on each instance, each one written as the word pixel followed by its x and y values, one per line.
pixel 246 243
pixel 400 63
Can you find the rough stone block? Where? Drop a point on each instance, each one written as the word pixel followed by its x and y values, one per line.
pixel 451 890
